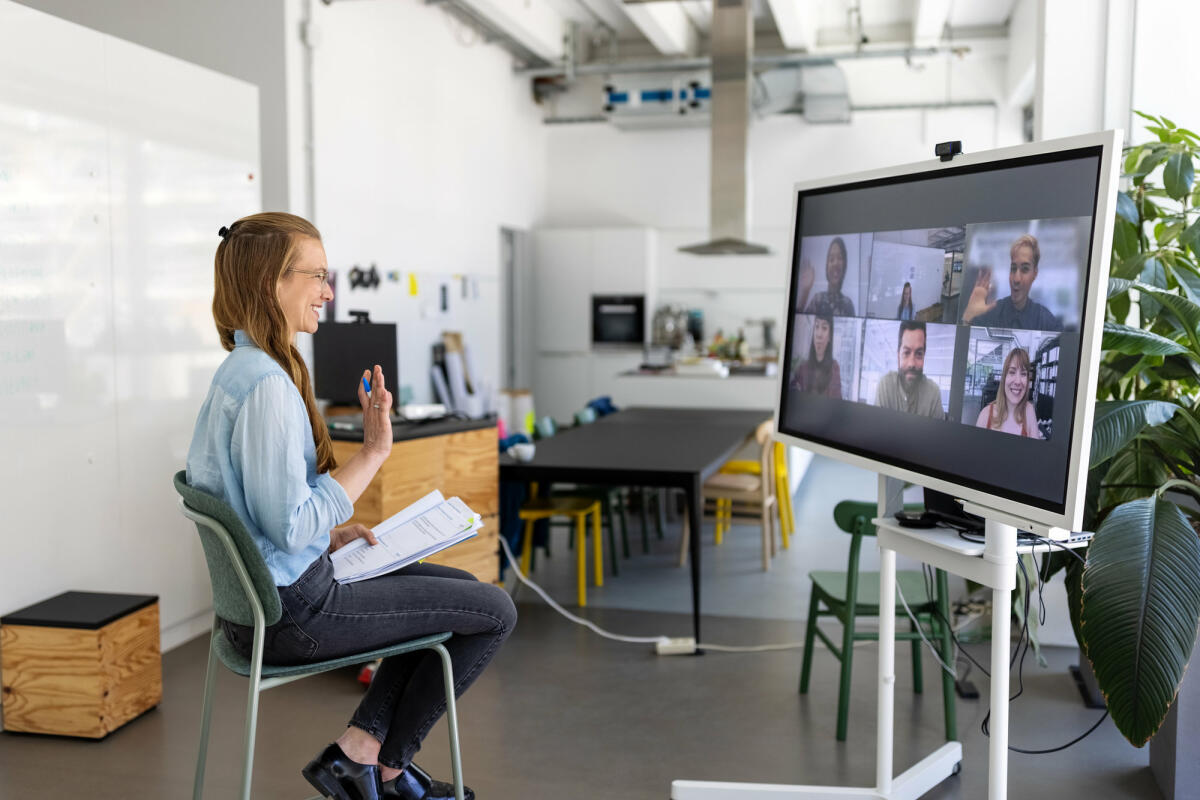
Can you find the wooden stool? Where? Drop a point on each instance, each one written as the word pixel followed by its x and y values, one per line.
pixel 80 664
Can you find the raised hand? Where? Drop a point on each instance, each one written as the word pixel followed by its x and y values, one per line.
pixel 804 286
pixel 978 303
pixel 377 409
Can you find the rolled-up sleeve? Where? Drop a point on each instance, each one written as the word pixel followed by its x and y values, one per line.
pixel 268 449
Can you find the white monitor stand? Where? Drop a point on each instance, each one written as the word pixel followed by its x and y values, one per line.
pixel 996 568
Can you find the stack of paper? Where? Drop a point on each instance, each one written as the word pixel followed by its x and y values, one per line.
pixel 418 531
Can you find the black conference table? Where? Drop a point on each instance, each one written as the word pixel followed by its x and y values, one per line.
pixel 674 448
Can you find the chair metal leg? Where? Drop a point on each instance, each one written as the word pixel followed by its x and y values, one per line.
pixel 451 719
pixel 611 524
pixel 580 561
pixel 948 699
pixel 918 676
pixel 527 547
pixel 624 523
pixel 643 500
pixel 206 714
pixel 660 511
pixel 810 633
pixel 597 550
pixel 252 709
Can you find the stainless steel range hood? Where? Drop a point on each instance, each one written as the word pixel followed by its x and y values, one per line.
pixel 732 38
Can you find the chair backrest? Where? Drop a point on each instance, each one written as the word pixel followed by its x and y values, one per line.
pixel 854 517
pixel 215 520
pixel 546 427
pixel 762 435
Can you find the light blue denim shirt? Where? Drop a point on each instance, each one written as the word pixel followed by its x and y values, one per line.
pixel 253 448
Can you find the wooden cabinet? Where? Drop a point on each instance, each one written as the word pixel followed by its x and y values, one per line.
pixel 463 464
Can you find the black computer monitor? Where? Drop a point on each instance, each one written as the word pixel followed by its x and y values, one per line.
pixel 944 321
pixel 342 350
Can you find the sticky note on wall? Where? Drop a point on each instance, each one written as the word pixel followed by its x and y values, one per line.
pixel 412 284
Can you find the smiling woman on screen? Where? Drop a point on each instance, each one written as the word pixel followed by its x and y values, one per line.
pixel 1011 411
pixel 261 446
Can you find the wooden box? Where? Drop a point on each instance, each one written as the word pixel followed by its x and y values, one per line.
pixel 463 464
pixel 80 664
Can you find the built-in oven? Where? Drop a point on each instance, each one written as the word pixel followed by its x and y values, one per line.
pixel 618 319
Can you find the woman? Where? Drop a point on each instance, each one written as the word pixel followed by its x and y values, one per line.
pixel 261 446
pixel 905 311
pixel 820 373
pixel 830 302
pixel 1011 411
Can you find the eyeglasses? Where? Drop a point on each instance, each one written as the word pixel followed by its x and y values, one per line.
pixel 322 276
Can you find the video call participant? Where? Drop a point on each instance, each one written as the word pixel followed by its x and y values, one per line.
pixel 905 311
pixel 906 388
pixel 1012 411
pixel 820 374
pixel 830 302
pixel 1017 310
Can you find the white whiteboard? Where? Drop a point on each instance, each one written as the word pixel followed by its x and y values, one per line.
pixel 117 166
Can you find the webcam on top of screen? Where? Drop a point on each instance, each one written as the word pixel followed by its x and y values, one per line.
pixel 947 150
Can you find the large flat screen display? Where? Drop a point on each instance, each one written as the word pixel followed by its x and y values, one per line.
pixel 943 322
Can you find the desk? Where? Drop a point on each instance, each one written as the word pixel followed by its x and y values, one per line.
pixel 674 448
pixel 456 456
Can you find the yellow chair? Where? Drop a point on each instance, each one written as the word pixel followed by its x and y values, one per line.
pixel 578 509
pixel 757 490
pixel 783 493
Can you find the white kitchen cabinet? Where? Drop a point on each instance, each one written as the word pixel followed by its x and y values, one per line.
pixel 572 264
pixel 562 289
pixel 622 260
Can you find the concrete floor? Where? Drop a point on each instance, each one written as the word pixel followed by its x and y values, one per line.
pixel 563 713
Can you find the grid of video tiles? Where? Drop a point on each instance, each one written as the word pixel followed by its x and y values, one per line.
pixel 884 318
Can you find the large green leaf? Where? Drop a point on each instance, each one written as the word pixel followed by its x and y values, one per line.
pixel 1118 285
pixel 1178 174
pixel 1191 235
pixel 1117 422
pixel 1136 341
pixel 1125 240
pixel 1187 312
pixel 1127 209
pixel 1139 610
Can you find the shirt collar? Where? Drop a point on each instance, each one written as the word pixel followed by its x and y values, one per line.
pixel 241 338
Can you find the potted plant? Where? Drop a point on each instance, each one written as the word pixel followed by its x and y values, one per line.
pixel 1136 601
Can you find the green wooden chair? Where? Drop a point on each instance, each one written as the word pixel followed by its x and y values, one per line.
pixel 852 594
pixel 244 592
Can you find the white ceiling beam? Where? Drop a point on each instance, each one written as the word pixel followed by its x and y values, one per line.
pixel 536 26
pixel 666 25
pixel 796 21
pixel 929 19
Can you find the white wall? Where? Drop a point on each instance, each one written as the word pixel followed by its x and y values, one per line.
pixel 426 145
pixel 599 175
pixel 1166 63
pixel 241 39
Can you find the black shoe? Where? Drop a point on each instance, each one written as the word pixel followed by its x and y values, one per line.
pixel 334 775
pixel 415 784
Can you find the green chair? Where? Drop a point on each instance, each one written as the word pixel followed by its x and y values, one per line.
pixel 244 593
pixel 852 594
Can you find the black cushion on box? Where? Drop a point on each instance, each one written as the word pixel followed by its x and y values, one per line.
pixel 87 610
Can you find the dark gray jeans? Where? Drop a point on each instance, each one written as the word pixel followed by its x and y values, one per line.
pixel 323 619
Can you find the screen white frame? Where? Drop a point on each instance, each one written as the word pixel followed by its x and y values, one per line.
pixel 1021 514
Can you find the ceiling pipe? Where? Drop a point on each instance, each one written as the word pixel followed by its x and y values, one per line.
pixel 763 61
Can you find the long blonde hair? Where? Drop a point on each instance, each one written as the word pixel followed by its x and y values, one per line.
pixel 251 259
pixel 1001 401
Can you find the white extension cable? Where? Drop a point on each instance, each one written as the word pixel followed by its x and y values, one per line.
pixel 664 645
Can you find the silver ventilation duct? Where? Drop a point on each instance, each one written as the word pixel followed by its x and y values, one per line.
pixel 732 38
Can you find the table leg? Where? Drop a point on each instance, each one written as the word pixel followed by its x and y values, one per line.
pixel 695 519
